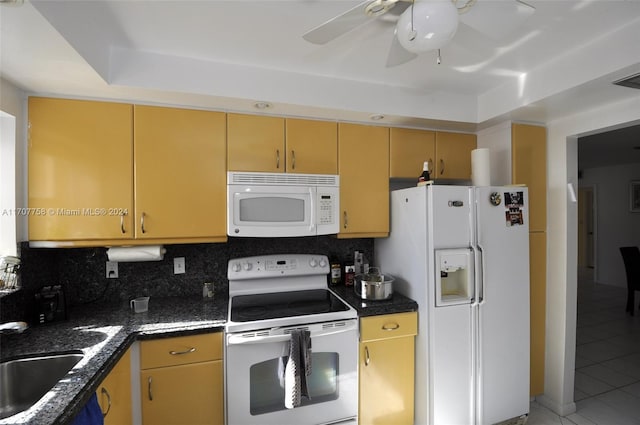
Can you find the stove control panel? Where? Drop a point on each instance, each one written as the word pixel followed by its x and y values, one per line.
pixel 267 266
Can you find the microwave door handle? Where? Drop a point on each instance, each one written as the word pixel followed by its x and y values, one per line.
pixel 312 219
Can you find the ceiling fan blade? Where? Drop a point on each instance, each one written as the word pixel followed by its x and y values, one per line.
pixel 338 25
pixel 398 54
pixel 497 19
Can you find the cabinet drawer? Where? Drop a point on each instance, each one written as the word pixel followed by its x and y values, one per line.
pixel 388 326
pixel 180 350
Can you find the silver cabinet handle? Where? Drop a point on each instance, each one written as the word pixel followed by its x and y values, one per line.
pixel 178 353
pixel 149 382
pixel 122 229
pixel 390 327
pixel 367 359
pixel 104 391
pixel 441 166
pixel 345 219
pixel 293 160
pixel 277 158
pixel 142 223
pixel 431 169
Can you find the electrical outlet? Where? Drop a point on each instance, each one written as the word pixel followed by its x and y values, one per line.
pixel 178 265
pixel 112 269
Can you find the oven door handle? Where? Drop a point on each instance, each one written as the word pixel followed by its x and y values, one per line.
pixel 244 339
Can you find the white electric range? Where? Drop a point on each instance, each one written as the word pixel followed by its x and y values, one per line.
pixel 270 297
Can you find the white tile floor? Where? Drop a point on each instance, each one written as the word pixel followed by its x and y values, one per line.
pixel 607 381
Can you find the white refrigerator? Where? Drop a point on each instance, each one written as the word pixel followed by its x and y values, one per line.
pixel 463 254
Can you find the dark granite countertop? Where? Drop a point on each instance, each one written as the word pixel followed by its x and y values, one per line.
pixel 103 332
pixel 398 303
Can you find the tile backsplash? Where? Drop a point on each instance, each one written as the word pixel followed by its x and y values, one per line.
pixel 82 271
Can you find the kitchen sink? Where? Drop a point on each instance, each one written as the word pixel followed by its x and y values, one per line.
pixel 25 380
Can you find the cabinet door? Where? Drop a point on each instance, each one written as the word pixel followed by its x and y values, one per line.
pixel 538 293
pixel 453 153
pixel 363 164
pixel 114 393
pixel 186 394
pixel 312 146
pixel 80 170
pixel 255 143
pixel 387 381
pixel 529 167
pixel 180 173
pixel 408 150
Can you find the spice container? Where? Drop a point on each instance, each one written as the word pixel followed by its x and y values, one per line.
pixel 349 275
pixel 335 277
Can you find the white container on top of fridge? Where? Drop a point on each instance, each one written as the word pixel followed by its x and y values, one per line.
pixel 463 254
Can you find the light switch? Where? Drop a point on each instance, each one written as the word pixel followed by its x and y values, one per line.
pixel 178 265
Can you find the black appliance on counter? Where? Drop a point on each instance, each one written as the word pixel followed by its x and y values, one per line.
pixel 50 304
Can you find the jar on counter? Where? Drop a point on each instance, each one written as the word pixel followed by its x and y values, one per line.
pixel 349 275
pixel 336 273
pixel 207 290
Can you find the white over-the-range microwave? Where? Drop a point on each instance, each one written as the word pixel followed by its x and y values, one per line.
pixel 282 204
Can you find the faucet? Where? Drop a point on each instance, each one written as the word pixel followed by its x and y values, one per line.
pixel 13 327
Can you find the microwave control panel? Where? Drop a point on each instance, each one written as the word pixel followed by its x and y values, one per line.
pixel 326 203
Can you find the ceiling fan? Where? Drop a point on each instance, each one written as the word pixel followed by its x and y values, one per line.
pixel 425 25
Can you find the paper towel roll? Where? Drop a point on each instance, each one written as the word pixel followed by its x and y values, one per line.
pixel 480 167
pixel 136 253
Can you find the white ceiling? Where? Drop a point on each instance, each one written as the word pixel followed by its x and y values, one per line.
pixel 228 54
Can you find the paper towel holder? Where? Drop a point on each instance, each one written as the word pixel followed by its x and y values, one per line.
pixel 124 254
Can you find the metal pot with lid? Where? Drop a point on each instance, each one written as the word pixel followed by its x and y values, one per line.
pixel 373 285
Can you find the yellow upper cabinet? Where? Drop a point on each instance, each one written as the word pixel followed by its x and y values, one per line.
pixel 363 166
pixel 408 150
pixel 255 143
pixel 312 146
pixel 278 145
pixel 529 167
pixel 453 155
pixel 80 170
pixel 180 173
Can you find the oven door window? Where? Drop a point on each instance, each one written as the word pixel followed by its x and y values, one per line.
pixel 267 382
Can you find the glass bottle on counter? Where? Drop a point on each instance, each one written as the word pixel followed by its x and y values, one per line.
pixel 349 275
pixel 335 277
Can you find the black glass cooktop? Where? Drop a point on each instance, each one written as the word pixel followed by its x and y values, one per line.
pixel 273 305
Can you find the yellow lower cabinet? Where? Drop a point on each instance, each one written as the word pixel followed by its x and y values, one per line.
pixel 114 393
pixel 387 358
pixel 181 380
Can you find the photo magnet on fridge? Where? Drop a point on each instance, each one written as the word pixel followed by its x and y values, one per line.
pixel 514 202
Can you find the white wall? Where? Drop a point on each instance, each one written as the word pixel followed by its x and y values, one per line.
pixel 13 102
pixel 562 251
pixel 616 225
pixel 498 140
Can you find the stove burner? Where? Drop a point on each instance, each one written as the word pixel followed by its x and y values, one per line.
pixel 254 312
pixel 251 308
pixel 310 307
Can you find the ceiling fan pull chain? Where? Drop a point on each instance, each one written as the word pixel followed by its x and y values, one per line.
pixel 439 59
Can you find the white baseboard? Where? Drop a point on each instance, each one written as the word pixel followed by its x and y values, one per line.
pixel 557 408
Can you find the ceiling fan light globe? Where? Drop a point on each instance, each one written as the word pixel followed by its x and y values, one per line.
pixel 435 22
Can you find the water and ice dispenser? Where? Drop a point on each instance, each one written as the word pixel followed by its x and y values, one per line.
pixel 454 276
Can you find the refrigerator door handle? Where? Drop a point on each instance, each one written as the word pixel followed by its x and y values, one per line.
pixel 479 273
